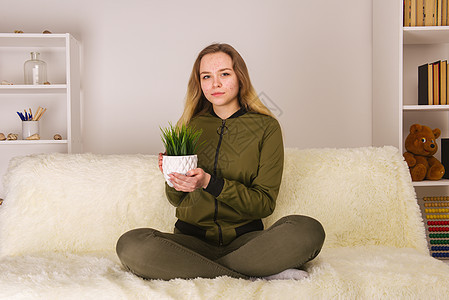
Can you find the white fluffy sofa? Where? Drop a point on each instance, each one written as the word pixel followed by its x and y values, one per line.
pixel 62 215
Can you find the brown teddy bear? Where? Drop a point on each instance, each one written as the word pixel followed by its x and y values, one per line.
pixel 421 146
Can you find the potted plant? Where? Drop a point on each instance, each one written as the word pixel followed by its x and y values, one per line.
pixel 181 144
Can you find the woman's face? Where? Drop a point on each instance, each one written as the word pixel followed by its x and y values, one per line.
pixel 218 80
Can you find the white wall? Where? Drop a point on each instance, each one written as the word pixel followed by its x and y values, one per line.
pixel 310 59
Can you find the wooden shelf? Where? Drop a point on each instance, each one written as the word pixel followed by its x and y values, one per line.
pixel 426 107
pixel 33 142
pixel 32 40
pixel 430 183
pixel 426 35
pixel 28 88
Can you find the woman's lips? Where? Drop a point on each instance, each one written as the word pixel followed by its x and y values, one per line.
pixel 217 94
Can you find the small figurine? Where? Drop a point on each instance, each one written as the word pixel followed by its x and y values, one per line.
pixel 2 136
pixel 12 137
pixel 34 137
pixel 57 137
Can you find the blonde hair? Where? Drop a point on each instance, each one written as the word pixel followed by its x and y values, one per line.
pixel 196 103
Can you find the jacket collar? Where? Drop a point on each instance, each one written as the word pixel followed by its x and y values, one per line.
pixel 237 114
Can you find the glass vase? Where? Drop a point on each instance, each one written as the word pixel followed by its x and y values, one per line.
pixel 35 70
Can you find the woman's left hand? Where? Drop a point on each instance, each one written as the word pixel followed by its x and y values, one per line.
pixel 194 179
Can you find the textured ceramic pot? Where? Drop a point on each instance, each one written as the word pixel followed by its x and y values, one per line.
pixel 178 164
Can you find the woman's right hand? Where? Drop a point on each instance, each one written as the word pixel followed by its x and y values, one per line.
pixel 160 161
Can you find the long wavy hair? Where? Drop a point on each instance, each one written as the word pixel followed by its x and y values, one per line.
pixel 196 103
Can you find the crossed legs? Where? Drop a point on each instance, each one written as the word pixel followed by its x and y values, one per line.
pixel 288 243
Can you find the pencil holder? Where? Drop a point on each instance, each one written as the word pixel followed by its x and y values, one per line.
pixel 29 128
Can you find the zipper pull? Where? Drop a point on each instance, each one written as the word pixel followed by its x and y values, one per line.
pixel 221 129
pixel 223 126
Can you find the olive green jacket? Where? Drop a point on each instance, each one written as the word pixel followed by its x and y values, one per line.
pixel 244 155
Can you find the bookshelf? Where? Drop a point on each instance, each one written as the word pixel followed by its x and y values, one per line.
pixel 397 53
pixel 61 97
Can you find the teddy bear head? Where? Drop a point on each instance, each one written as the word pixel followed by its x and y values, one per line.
pixel 422 140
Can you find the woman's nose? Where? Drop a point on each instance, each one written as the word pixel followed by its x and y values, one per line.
pixel 217 82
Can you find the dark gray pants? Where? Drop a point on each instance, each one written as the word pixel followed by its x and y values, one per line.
pixel 288 243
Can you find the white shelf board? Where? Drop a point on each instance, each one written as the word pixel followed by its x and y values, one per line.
pixel 426 35
pixel 29 88
pixel 32 40
pixel 426 107
pixel 442 182
pixel 31 142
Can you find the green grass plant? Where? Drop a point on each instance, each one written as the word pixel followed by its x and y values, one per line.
pixel 180 141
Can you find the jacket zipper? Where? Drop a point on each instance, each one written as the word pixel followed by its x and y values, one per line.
pixel 220 233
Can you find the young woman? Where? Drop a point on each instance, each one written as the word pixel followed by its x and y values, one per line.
pixel 220 204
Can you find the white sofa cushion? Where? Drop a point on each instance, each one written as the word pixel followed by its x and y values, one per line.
pixel 362 196
pixel 84 202
pixel 81 202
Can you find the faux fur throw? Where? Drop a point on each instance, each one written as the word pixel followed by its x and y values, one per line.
pixel 81 203
pixel 370 272
pixel 63 214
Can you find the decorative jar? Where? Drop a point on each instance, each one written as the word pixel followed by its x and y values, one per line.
pixel 35 70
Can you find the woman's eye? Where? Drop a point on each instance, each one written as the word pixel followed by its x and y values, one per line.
pixel 206 77
pixel 423 140
pixel 224 74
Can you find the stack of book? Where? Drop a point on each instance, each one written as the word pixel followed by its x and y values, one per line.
pixel 433 83
pixel 425 12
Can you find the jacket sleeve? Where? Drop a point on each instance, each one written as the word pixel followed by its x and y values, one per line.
pixel 258 200
pixel 174 197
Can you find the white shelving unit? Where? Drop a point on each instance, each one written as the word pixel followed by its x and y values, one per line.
pixel 397 53
pixel 61 97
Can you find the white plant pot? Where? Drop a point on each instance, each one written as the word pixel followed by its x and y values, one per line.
pixel 178 164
